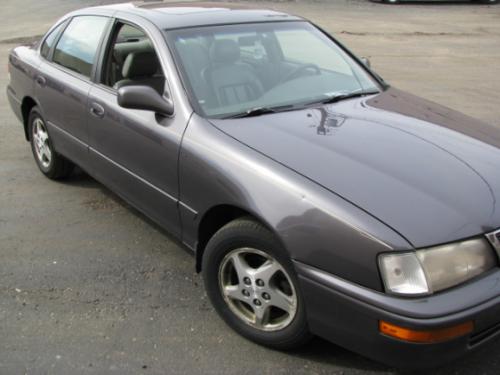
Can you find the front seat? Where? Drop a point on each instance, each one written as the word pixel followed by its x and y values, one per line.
pixel 232 81
pixel 141 68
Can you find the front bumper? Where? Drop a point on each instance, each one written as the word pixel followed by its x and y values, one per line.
pixel 348 315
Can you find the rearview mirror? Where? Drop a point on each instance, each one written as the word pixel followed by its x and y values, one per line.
pixel 366 62
pixel 145 98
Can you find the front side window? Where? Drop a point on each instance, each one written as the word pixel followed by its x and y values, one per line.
pixel 232 69
pixel 49 40
pixel 132 60
pixel 78 44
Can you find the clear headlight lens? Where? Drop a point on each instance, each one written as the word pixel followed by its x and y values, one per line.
pixel 403 274
pixel 434 269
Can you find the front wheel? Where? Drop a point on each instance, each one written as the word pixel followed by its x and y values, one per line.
pixel 252 284
pixel 50 163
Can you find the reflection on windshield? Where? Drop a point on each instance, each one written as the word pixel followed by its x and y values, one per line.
pixel 234 68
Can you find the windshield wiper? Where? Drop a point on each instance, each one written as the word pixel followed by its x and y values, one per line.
pixel 338 98
pixel 257 111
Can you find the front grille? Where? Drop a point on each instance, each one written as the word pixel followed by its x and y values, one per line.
pixel 485 334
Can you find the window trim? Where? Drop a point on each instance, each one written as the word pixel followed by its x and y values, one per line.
pixel 64 24
pixel 104 51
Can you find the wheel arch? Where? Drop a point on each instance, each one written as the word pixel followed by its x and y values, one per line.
pixel 26 106
pixel 215 218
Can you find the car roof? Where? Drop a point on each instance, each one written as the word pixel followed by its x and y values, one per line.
pixel 192 14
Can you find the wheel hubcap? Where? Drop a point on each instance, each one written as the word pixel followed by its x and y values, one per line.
pixel 257 289
pixel 41 143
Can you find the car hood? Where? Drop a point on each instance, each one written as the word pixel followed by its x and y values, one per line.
pixel 428 172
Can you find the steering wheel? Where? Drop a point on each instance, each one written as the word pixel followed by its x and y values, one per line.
pixel 298 71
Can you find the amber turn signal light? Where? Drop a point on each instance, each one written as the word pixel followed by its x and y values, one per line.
pixel 427 336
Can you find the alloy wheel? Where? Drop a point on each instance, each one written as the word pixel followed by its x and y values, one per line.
pixel 41 142
pixel 257 289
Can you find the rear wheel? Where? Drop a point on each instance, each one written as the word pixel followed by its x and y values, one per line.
pixel 252 284
pixel 50 163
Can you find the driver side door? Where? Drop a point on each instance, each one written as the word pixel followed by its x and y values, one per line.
pixel 134 152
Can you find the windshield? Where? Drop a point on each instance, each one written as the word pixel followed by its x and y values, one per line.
pixel 235 69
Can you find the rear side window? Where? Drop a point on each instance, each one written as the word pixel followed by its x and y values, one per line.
pixel 49 40
pixel 78 44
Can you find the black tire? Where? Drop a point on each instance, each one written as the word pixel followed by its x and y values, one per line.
pixel 58 167
pixel 247 233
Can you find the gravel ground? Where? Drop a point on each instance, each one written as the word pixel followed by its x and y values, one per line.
pixel 89 285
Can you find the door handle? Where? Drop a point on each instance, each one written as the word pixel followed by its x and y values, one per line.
pixel 97 110
pixel 41 80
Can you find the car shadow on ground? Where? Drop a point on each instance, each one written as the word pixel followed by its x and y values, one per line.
pixel 81 179
pixel 322 351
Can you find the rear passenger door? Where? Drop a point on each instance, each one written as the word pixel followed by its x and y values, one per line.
pixel 135 152
pixel 63 82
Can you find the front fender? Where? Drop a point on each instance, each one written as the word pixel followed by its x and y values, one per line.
pixel 316 226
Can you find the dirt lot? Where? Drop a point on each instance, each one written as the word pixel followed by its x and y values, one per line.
pixel 88 285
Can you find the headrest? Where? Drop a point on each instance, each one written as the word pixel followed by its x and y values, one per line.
pixel 122 50
pixel 140 64
pixel 225 51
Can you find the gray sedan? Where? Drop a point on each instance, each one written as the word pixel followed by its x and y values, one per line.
pixel 317 199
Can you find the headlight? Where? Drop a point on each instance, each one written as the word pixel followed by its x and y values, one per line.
pixel 426 271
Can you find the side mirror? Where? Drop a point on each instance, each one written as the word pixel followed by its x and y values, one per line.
pixel 366 62
pixel 145 98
